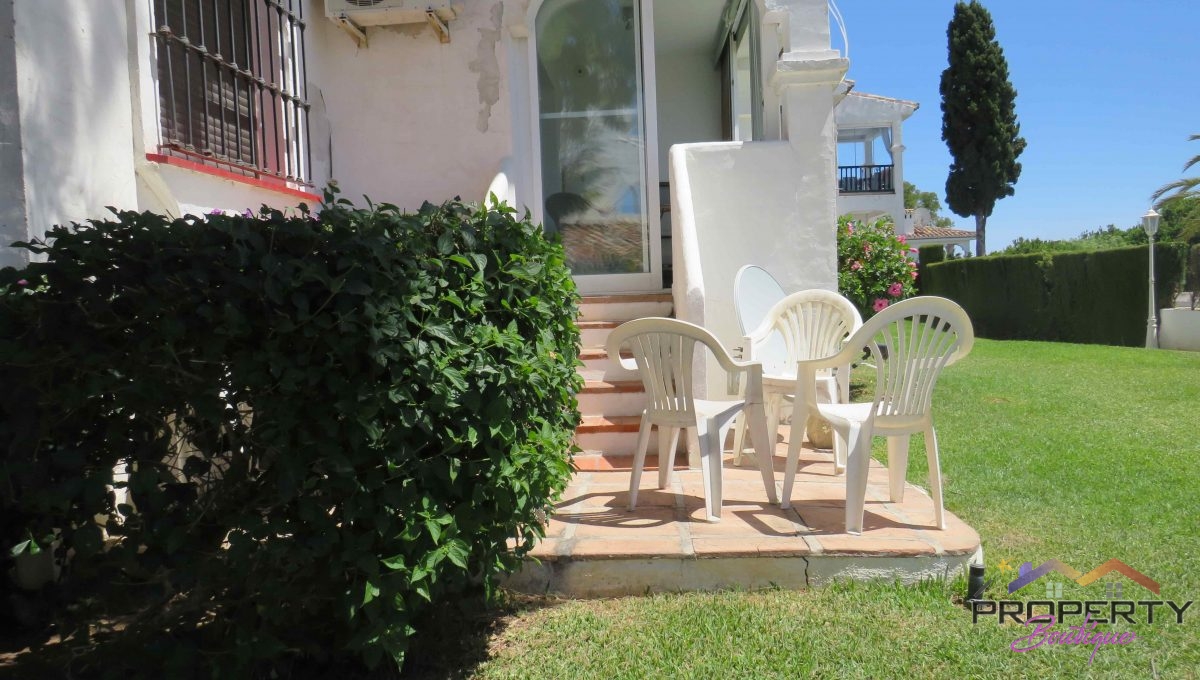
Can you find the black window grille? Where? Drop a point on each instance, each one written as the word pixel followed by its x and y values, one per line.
pixel 232 84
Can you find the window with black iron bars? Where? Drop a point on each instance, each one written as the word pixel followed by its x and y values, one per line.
pixel 232 86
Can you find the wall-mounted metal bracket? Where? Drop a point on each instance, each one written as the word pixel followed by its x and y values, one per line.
pixel 439 26
pixel 352 29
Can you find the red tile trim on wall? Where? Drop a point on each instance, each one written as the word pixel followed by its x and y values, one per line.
pixel 267 183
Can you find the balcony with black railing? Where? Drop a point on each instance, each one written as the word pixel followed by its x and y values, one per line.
pixel 865 179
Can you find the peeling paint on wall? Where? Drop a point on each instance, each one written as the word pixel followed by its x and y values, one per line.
pixel 487 65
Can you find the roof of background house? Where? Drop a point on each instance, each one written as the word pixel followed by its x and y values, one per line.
pixel 890 100
pixel 939 232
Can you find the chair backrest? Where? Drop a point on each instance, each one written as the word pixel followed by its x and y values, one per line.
pixel 663 352
pixel 755 291
pixel 813 324
pixel 911 342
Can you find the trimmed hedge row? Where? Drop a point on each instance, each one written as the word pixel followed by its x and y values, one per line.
pixel 1094 297
pixel 1193 270
pixel 328 422
pixel 927 255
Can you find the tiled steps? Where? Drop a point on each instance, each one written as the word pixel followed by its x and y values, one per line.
pixel 612 398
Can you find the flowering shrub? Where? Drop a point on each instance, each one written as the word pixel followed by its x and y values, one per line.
pixel 875 266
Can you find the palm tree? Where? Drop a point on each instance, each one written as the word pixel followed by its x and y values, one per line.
pixel 1188 187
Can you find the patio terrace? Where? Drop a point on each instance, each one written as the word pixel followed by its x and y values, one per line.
pixel 596 547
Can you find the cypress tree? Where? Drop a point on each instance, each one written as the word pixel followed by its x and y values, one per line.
pixel 979 118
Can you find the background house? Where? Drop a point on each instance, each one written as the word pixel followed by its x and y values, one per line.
pixel 565 107
pixel 870 152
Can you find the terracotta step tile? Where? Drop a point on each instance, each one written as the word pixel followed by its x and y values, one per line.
pixel 592 424
pixel 612 386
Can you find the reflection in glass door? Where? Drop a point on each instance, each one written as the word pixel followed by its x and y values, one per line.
pixel 593 137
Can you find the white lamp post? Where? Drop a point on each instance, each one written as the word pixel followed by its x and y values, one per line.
pixel 1150 224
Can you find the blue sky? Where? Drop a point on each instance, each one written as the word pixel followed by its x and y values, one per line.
pixel 1107 94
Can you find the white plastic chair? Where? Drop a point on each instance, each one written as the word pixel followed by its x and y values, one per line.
pixel 755 292
pixel 812 324
pixel 663 353
pixel 911 342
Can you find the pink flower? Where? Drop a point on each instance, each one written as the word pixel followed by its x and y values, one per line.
pixel 902 238
pixel 880 304
pixel 913 251
pixel 867 249
pixel 895 290
pixel 849 228
pixel 22 282
pixel 855 266
pixel 914 273
pixel 912 264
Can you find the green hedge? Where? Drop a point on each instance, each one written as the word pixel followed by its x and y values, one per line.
pixel 927 255
pixel 328 422
pixel 1192 282
pixel 1088 297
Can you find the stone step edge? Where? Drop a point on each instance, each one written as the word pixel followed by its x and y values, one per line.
pixel 618 298
pixel 597 325
pixel 599 461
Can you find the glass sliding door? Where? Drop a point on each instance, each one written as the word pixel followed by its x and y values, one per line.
pixel 595 140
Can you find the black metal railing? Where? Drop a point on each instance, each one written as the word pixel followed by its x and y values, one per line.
pixel 232 84
pixel 865 179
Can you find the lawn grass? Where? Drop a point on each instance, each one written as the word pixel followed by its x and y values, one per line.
pixel 1075 452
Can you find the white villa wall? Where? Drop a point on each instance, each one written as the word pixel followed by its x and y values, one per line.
pixel 689 101
pixel 872 206
pixel 73 93
pixel 12 169
pixel 736 203
pixel 413 119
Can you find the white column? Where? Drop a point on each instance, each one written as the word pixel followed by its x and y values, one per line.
pixel 807 87
pixel 898 171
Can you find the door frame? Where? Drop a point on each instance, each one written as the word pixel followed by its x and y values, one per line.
pixel 637 282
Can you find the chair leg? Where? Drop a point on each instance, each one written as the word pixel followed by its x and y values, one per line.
pixel 897 465
pixel 935 477
pixel 799 414
pixel 710 467
pixel 839 453
pixel 858 440
pixel 774 404
pixel 668 440
pixel 639 459
pixel 739 440
pixel 756 420
pixel 843 380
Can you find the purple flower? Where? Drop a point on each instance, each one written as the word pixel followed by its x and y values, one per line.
pixel 22 282
pixel 248 213
pixel 895 290
pixel 216 211
pixel 880 304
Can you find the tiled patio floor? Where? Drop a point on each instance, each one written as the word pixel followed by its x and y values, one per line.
pixel 595 546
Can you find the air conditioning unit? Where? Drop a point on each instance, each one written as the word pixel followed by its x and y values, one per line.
pixel 384 12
